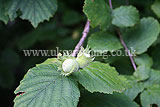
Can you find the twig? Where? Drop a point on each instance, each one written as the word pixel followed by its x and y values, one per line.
pixel 123 43
pixel 110 4
pixel 125 47
pixel 84 35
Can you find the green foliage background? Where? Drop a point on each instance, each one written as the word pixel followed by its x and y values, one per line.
pixel 63 29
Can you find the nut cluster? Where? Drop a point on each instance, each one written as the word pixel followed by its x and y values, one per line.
pixel 72 64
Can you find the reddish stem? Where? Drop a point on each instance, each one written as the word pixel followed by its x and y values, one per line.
pixel 128 51
pixel 84 35
pixel 123 43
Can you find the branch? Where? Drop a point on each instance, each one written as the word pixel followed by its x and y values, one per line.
pixel 123 43
pixel 125 47
pixel 84 35
pixel 110 4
